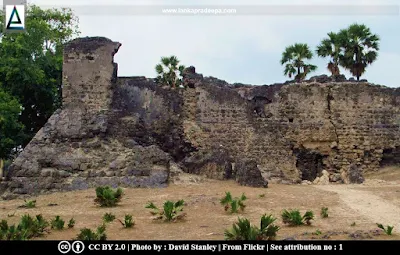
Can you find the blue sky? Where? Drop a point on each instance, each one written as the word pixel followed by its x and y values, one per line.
pixel 245 49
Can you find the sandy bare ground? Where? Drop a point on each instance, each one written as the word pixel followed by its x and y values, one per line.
pixel 366 204
pixel 353 211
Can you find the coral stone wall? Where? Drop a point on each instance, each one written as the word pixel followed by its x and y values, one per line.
pixel 127 131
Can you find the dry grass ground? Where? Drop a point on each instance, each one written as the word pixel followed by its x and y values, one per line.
pixel 364 205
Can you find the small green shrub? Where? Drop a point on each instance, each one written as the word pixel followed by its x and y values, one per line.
pixel 170 212
pixel 324 212
pixel 317 232
pixel 243 230
pixel 108 217
pixel 128 221
pixel 234 204
pixel 267 228
pixel 353 224
pixel 294 218
pixel 57 223
pixel 41 223
pixel 27 228
pixel 71 223
pixel 261 195
pixel 388 230
pixel 107 197
pixel 32 227
pixel 86 234
pixel 28 204
pixel 308 217
pixel 3 225
pixel 14 233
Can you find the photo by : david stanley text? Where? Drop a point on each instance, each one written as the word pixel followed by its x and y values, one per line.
pixel 215 247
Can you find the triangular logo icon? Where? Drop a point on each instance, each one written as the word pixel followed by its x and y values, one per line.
pixel 14 12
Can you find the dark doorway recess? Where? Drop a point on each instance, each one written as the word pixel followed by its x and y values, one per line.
pixel 310 163
pixel 390 157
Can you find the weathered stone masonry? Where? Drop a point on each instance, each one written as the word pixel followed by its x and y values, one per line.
pixel 128 130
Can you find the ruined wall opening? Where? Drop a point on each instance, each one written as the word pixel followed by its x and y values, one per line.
pixel 309 163
pixel 390 157
pixel 258 105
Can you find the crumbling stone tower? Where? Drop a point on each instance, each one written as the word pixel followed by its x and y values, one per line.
pixel 89 72
pixel 74 149
pixel 88 76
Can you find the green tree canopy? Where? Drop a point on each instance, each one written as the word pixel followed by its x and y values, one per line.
pixel 293 58
pixel 361 48
pixel 169 72
pixel 31 64
pixel 11 129
pixel 332 47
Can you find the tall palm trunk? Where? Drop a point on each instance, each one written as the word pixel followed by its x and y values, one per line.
pixel 298 73
pixel 358 62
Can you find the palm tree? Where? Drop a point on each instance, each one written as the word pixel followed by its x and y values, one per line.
pixel 293 58
pixel 167 72
pixel 361 48
pixel 332 47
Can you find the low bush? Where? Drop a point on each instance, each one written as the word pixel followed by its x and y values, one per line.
pixel 57 223
pixel 107 197
pixel 71 223
pixel 324 212
pixel 28 204
pixel 27 228
pixel 243 230
pixel 294 218
pixel 86 234
pixel 108 217
pixel 388 229
pixel 128 221
pixel 171 211
pixel 233 204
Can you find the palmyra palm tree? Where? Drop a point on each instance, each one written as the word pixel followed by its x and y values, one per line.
pixel 169 73
pixel 332 47
pixel 293 57
pixel 361 48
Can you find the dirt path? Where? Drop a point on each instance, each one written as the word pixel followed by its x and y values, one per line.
pixel 367 204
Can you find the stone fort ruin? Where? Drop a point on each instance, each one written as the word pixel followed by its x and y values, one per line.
pixel 129 131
